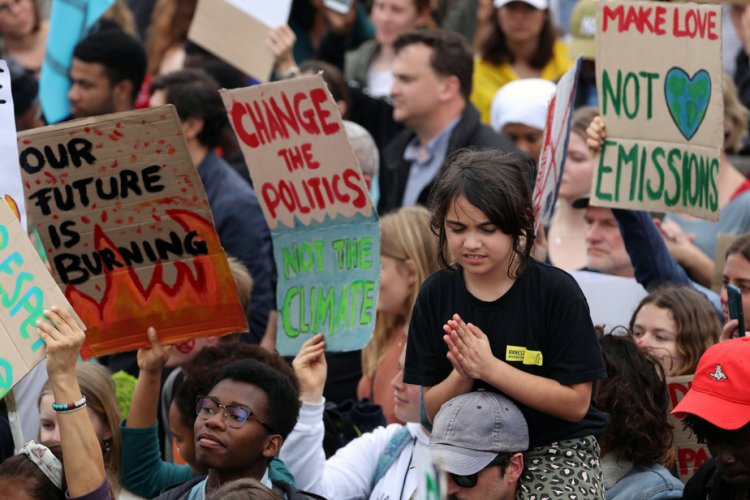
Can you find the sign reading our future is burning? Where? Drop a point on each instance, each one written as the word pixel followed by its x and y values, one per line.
pixel 659 80
pixel 128 231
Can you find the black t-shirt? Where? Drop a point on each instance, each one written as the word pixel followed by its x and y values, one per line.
pixel 542 326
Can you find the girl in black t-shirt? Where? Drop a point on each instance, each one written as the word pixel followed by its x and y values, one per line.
pixel 539 348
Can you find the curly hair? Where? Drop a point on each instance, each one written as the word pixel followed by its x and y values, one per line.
pixel 698 325
pixel 709 434
pixel 283 398
pixel 201 372
pixel 636 396
pixel 495 183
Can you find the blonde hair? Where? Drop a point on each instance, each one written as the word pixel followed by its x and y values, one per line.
pixel 123 16
pixel 736 116
pixel 242 280
pixel 405 235
pixel 170 22
pixel 96 384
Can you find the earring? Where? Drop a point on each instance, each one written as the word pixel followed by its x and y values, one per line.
pixel 107 447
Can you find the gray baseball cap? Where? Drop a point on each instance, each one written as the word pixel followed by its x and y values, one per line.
pixel 471 429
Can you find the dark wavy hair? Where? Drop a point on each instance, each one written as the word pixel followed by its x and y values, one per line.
pixel 494 49
pixel 635 394
pixel 497 184
pixel 698 325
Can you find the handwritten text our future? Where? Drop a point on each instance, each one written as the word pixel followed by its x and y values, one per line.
pixel 647 19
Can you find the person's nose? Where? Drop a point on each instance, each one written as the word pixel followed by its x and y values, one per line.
pixel 643 342
pixel 593 233
pixel 724 454
pixel 472 241
pixel 217 420
pixel 723 295
pixel 73 93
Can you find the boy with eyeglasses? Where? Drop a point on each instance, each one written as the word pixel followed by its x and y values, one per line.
pixel 479 438
pixel 240 426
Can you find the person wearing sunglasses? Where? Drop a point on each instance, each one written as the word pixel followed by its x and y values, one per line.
pixel 479 438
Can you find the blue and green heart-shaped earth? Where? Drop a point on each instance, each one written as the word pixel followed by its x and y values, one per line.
pixel 687 99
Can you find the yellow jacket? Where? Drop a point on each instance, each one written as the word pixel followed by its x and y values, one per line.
pixel 488 78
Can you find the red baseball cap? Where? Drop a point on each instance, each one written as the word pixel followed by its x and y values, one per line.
pixel 720 392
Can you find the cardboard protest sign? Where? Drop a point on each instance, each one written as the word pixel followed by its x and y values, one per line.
pixel 11 189
pixel 555 146
pixel 237 31
pixel 690 454
pixel 26 289
pixel 324 228
pixel 128 231
pixel 659 79
pixel 600 289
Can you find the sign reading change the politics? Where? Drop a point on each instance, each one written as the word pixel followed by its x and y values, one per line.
pixel 128 231
pixel 325 231
pixel 659 79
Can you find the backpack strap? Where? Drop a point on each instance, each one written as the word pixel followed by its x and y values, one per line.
pixel 392 451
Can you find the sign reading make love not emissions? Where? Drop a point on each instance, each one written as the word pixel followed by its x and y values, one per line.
pixel 659 79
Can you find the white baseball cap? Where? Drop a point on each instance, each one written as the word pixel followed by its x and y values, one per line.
pixel 537 4
pixel 523 101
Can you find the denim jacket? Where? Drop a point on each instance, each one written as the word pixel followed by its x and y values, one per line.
pixel 646 482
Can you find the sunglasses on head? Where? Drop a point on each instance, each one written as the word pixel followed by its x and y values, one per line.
pixel 470 480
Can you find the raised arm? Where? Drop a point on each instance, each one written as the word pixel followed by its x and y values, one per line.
pixel 83 459
pixel 145 402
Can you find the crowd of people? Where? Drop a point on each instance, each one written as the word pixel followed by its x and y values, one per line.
pixel 484 354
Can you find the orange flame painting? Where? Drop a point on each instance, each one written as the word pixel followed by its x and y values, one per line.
pixel 126 225
pixel 201 297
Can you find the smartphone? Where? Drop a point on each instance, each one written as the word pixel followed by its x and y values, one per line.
pixel 734 300
pixel 340 6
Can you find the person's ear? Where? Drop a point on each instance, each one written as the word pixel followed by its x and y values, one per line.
pixel 514 469
pixel 122 95
pixel 272 446
pixel 192 127
pixel 343 109
pixel 411 270
pixel 451 87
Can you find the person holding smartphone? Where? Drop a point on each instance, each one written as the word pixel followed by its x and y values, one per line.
pixel 736 273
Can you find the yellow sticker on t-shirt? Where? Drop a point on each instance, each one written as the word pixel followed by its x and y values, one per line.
pixel 526 356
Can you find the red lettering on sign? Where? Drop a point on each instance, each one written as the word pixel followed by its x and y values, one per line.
pixel 266 120
pixel 695 23
pixel 301 196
